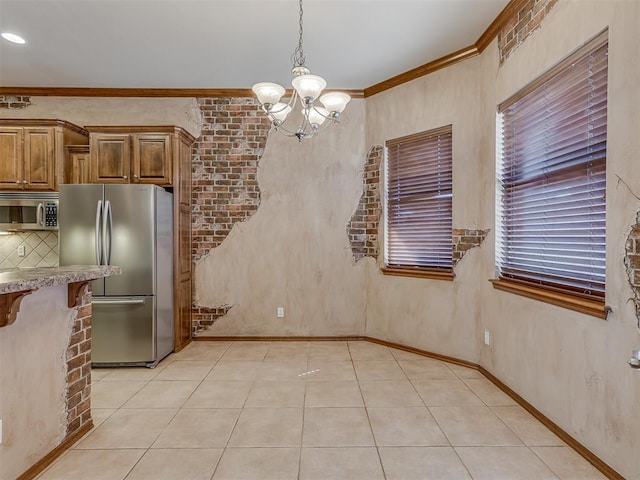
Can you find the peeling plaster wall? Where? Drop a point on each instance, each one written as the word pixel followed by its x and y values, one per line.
pixel 632 262
pixel 364 225
pixel 32 375
pixel 294 251
pixel 435 315
pixel 572 367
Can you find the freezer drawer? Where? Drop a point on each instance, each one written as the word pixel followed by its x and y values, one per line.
pixel 123 330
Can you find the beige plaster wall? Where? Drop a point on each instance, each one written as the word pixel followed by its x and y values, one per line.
pixel 32 377
pixel 435 315
pixel 572 367
pixel 294 252
pixel 183 112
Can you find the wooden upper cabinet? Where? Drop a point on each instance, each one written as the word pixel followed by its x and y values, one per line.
pixel 10 158
pixel 39 158
pixel 152 158
pixel 33 153
pixel 78 165
pixel 135 154
pixel 110 158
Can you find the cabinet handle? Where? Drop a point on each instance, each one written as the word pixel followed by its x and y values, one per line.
pixel 125 177
pixel 135 176
pixel 24 181
pixel 17 181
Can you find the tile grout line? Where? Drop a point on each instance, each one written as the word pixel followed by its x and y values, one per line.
pixel 366 409
pixel 235 424
pixel 304 409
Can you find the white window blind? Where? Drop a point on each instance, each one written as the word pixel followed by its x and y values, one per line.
pixel 551 177
pixel 419 195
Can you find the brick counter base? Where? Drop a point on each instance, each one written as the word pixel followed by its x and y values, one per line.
pixel 79 367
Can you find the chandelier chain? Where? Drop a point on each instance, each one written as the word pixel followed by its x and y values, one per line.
pixel 298 58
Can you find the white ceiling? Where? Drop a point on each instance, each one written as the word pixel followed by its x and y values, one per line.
pixel 229 43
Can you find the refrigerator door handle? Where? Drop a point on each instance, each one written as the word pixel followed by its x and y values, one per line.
pixel 106 237
pixel 97 233
pixel 118 301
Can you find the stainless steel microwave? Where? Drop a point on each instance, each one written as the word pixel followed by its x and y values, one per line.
pixel 21 211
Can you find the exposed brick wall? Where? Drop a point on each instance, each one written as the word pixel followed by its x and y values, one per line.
pixel 225 171
pixel 79 367
pixel 13 102
pixel 521 25
pixel 632 263
pixel 362 229
pixel 204 317
pixel 464 240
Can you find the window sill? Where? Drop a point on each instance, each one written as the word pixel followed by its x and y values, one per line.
pixel 419 273
pixel 594 308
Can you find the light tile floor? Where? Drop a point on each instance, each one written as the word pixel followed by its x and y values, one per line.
pixel 309 410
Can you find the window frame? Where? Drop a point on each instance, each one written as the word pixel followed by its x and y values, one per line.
pixel 560 295
pixel 419 271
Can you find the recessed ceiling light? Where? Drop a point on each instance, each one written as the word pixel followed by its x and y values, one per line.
pixel 12 37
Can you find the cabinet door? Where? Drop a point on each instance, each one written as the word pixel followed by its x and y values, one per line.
pixel 110 158
pixel 152 158
pixel 77 169
pixel 10 158
pixel 39 160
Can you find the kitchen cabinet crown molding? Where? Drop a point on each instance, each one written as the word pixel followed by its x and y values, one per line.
pixel 132 129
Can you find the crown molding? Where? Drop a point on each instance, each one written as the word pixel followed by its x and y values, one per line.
pixel 421 71
pixel 140 92
pixel 512 8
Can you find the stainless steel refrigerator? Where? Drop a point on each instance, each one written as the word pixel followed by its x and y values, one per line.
pixel 129 226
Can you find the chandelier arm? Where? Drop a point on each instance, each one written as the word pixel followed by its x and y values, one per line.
pixel 285 131
pixel 292 100
pixel 306 124
pixel 328 117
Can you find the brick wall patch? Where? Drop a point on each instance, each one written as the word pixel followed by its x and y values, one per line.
pixel 78 358
pixel 14 102
pixel 521 25
pixel 464 240
pixel 204 317
pixel 225 177
pixel 362 229
pixel 632 263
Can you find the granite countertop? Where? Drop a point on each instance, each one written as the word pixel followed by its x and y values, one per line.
pixel 20 279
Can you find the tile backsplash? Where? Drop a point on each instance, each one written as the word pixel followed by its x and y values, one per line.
pixel 40 249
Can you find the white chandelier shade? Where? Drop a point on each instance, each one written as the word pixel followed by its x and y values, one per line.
pixel 309 86
pixel 335 101
pixel 268 93
pixel 317 115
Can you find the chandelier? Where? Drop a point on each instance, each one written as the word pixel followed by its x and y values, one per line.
pixel 307 88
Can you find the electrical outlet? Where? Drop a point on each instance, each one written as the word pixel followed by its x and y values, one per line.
pixel 21 250
pixel 280 312
pixel 487 337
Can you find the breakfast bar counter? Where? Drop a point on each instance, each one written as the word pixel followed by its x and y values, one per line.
pixel 45 363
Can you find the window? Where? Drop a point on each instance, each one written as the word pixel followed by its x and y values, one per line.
pixel 418 180
pixel 551 184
